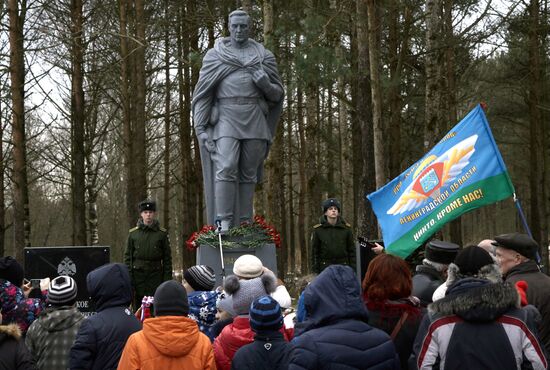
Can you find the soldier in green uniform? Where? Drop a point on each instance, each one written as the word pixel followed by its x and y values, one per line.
pixel 332 239
pixel 148 254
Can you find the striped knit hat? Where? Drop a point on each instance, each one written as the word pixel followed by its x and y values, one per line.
pixel 200 277
pixel 62 291
pixel 265 314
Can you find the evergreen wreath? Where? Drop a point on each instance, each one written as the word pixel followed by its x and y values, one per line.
pixel 247 235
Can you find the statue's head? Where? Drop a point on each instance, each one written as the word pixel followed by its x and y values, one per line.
pixel 239 26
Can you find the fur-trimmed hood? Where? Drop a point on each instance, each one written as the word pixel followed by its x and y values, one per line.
pixel 489 272
pixel 10 331
pixel 478 300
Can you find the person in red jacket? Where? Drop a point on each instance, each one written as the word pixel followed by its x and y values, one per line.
pixel 170 340
pixel 239 333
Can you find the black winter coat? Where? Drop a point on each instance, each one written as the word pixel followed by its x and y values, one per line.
pixel 335 333
pixel 13 352
pixel 538 294
pixel 269 351
pixel 425 281
pixel 102 337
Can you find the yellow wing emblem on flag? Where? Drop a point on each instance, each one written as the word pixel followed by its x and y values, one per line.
pixel 427 182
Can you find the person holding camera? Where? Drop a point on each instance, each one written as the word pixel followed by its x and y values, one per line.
pixel 15 304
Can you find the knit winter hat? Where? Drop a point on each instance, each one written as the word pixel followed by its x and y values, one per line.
pixel 200 277
pixel 248 266
pixel 11 271
pixel 471 259
pixel 62 291
pixel 265 314
pixel 329 203
pixel 243 292
pixel 171 299
pixel 225 303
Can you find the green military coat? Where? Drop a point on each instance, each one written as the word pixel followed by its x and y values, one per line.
pixel 149 259
pixel 332 244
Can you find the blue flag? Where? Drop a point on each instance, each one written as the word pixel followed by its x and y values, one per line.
pixel 462 172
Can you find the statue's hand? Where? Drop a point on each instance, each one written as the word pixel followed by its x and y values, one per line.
pixel 261 79
pixel 205 140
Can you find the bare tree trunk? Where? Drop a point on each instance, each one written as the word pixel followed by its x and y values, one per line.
pixel 166 200
pixel 184 95
pixel 342 136
pixel 398 50
pixel 275 165
pixel 329 148
pixel 303 241
pixel 91 182
pixel 268 24
pixel 367 225
pixel 132 17
pixel 192 212
pixel 539 224
pixel 356 135
pixel 378 122
pixel 2 169
pixel 450 97
pixel 432 129
pixel 125 67
pixel 78 174
pixel 21 220
pixel 138 184
pixel 291 236
pixel 196 191
pixel 310 152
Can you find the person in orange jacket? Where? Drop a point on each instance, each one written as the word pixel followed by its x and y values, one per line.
pixel 170 340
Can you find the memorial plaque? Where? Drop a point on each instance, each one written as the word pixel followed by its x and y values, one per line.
pixel 76 262
pixel 210 256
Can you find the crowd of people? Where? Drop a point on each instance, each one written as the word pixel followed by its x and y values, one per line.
pixel 478 307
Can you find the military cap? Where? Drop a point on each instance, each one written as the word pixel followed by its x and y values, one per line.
pixel 329 203
pixel 147 205
pixel 521 243
pixel 441 252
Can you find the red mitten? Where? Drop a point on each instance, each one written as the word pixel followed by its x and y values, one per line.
pixel 521 287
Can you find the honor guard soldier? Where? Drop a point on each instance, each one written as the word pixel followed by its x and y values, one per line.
pixel 332 239
pixel 148 255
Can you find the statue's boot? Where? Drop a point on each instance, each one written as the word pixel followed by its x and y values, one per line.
pixel 246 201
pixel 225 199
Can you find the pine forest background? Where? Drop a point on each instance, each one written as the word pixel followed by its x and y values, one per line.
pixel 95 111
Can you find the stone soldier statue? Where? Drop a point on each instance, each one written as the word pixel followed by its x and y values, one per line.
pixel 236 105
pixel 148 254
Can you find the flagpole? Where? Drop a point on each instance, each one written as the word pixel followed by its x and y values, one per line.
pixel 525 225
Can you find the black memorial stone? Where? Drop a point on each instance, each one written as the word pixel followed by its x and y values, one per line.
pixel 76 262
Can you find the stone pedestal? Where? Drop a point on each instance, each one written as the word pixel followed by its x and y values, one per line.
pixel 210 256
